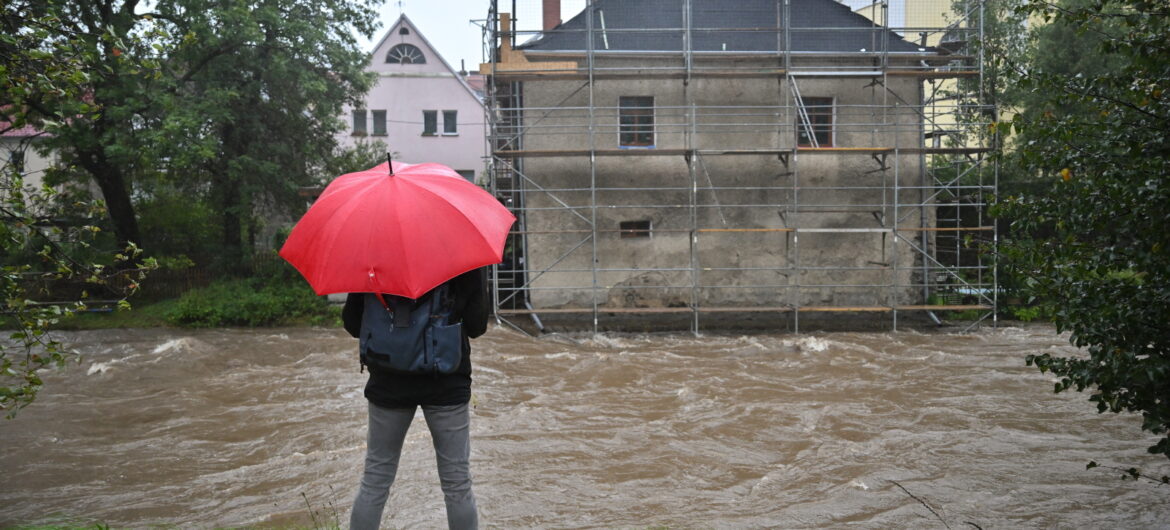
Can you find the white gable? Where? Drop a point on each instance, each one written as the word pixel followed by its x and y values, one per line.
pixel 404 33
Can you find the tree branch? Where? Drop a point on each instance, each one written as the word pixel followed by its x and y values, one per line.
pixel 920 501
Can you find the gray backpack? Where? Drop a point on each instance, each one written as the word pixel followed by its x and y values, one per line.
pixel 406 336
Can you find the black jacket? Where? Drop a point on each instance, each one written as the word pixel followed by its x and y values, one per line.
pixel 394 390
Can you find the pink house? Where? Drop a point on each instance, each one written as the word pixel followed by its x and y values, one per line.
pixel 17 149
pixel 421 108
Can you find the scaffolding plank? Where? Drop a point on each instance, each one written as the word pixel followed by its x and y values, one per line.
pixel 948 229
pixel 545 153
pixel 748 309
pixel 553 72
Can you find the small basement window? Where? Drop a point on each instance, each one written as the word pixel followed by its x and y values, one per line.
pixel 632 229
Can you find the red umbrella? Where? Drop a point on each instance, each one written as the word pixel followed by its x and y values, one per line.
pixel 400 233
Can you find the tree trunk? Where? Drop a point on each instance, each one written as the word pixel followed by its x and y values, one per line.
pixel 112 183
pixel 227 192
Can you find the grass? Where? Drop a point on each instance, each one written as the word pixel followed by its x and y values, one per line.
pixel 156 315
pixel 140 315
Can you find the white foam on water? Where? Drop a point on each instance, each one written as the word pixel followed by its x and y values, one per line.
pixel 99 368
pixel 812 344
pixel 172 344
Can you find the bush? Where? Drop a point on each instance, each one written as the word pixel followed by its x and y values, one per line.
pixel 250 302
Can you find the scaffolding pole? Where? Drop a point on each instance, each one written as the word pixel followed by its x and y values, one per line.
pixel 884 215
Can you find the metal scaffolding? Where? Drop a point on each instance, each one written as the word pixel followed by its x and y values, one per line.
pixel 750 194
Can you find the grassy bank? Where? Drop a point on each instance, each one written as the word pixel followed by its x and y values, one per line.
pixel 249 302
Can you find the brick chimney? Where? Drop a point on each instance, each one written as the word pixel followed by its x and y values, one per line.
pixel 552 14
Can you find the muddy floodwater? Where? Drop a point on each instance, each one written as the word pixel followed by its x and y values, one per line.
pixel 239 427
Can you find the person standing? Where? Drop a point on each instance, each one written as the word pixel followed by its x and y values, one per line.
pixel 393 399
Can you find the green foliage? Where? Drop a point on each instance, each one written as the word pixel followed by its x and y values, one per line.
pixel 39 254
pixel 192 117
pixel 251 302
pixel 42 248
pixel 1098 145
pixel 364 155
pixel 177 224
pixel 1028 313
pixel 260 118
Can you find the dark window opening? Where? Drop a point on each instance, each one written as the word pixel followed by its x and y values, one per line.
pixel 820 119
pixel 359 122
pixel 630 229
pixel 16 160
pixel 405 54
pixel 430 122
pixel 636 121
pixel 403 31
pixel 449 122
pixel 468 174
pixel 379 122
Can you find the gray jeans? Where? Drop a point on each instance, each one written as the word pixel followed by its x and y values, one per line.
pixel 449 431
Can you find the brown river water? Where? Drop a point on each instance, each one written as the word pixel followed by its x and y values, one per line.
pixel 266 427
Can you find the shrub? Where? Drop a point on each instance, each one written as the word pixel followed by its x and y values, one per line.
pixel 250 302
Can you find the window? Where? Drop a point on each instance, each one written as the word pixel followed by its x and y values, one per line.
pixel 379 122
pixel 468 174
pixel 359 122
pixel 820 119
pixel 430 122
pixel 405 54
pixel 403 31
pixel 449 123
pixel 632 229
pixel 16 160
pixel 636 121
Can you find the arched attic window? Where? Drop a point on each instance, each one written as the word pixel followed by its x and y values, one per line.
pixel 405 54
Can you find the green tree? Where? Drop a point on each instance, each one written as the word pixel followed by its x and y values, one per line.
pixel 261 121
pixel 1098 143
pixel 230 105
pixel 103 132
pixel 41 70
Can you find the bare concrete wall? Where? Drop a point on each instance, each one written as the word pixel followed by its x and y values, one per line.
pixel 721 195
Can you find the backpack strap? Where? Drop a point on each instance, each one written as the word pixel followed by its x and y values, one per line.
pixel 440 298
pixel 401 309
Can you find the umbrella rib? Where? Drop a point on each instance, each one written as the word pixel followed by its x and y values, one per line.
pixel 443 200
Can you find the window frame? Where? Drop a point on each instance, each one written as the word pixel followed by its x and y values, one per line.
pixel 408 51
pixel 17 160
pixel 636 122
pixel 636 229
pixel 452 124
pixel 360 123
pixel 379 124
pixel 823 122
pixel 431 119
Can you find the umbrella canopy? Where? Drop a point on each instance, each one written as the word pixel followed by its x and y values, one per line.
pixel 400 233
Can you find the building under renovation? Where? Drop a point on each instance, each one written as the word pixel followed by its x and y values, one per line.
pixel 785 162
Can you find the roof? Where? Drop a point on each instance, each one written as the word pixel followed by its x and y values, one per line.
pixel 817 26
pixel 26 131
